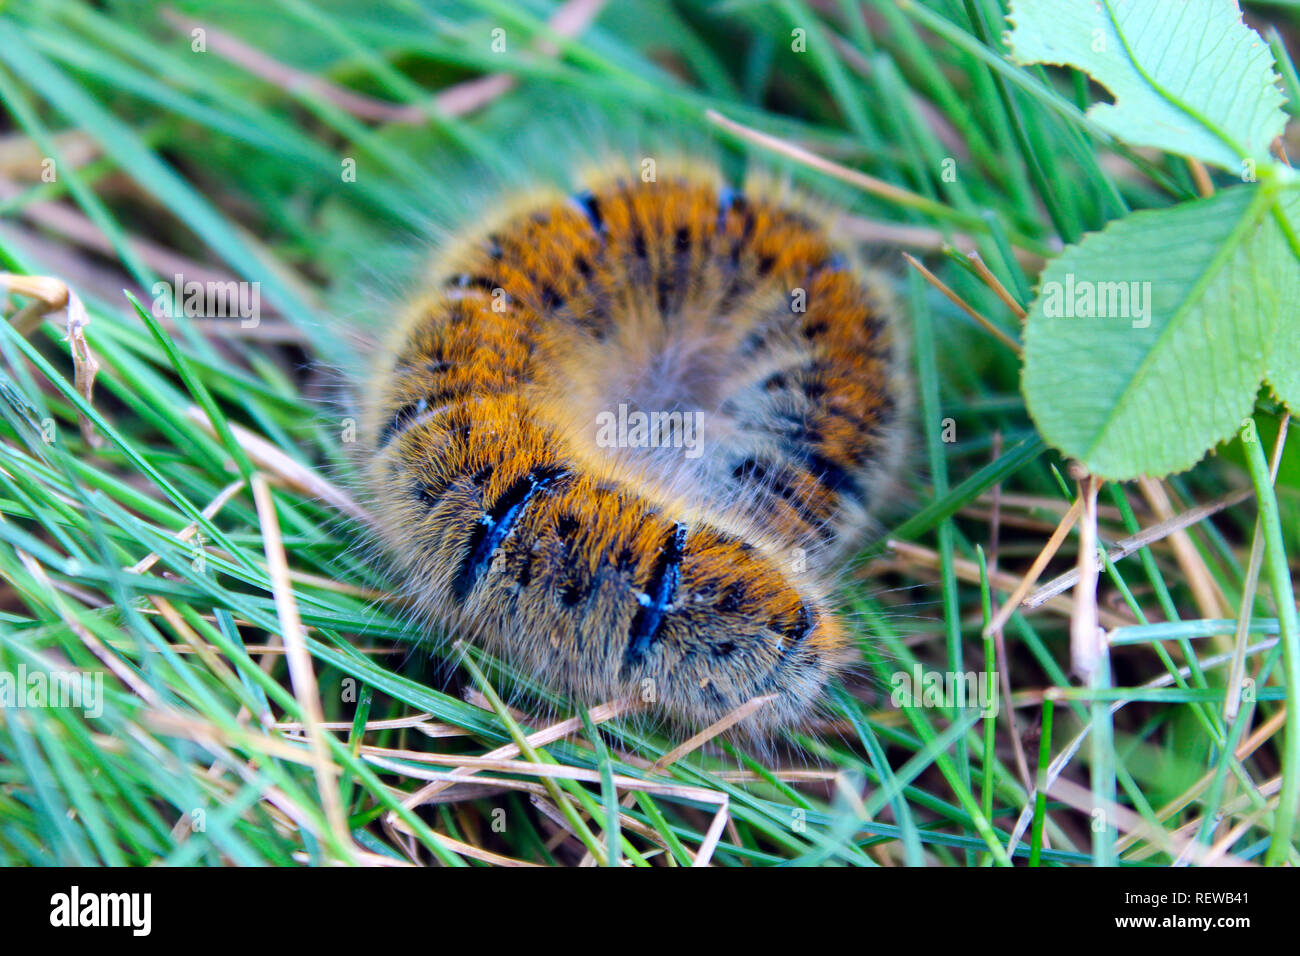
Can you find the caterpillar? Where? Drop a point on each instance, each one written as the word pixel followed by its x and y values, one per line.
pixel 626 431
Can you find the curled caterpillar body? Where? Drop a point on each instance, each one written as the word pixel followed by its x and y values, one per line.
pixel 676 559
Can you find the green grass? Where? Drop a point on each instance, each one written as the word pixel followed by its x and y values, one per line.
pixel 168 155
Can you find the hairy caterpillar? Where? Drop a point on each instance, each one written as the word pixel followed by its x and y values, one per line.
pixel 695 577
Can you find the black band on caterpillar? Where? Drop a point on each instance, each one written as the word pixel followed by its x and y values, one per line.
pixel 497 522
pixel 656 599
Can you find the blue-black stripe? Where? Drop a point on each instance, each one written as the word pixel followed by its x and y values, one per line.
pixel 496 523
pixel 658 595
pixel 589 206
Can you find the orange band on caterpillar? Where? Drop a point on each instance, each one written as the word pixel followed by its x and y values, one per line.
pixel 606 571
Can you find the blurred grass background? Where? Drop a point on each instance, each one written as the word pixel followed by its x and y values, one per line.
pixel 233 734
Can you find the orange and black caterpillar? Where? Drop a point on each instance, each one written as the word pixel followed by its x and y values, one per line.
pixel 692 581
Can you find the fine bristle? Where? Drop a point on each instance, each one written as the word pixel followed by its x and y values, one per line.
pixel 623 434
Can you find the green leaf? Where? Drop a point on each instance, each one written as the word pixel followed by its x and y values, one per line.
pixel 1148 341
pixel 1189 77
pixel 1284 368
